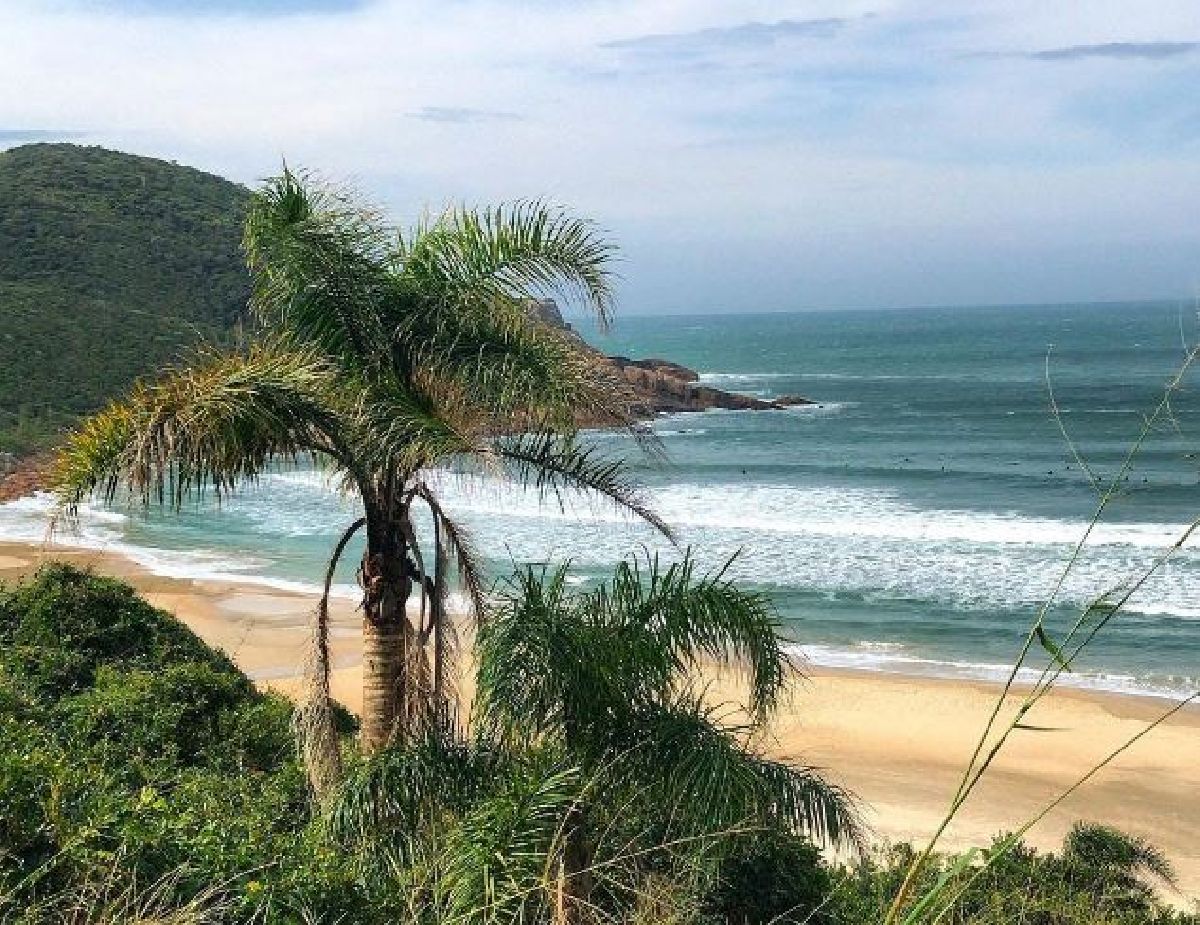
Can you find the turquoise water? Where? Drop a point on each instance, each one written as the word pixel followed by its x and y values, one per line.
pixel 911 521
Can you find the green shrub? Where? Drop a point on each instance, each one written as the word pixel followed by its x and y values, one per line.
pixel 181 715
pixel 770 876
pixel 56 630
pixel 1021 884
pixel 131 753
pixel 135 762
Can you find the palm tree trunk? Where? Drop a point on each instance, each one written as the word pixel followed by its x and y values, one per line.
pixel 386 638
pixel 384 654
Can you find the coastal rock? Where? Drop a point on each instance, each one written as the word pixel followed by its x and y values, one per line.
pixel 658 386
pixel 789 401
pixel 546 310
pixel 23 476
pixel 654 365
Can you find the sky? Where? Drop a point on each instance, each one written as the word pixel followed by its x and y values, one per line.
pixel 748 155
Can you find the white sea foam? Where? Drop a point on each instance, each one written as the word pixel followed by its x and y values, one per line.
pixel 743 377
pixel 851 541
pixel 819 538
pixel 1172 688
pixel 874 646
pixel 716 377
pixel 27 520
pixel 869 545
pixel 1164 609
pixel 820 407
pixel 816 512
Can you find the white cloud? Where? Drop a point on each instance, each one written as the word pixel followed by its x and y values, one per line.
pixel 803 163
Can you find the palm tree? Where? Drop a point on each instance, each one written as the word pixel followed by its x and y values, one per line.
pixel 605 677
pixel 383 357
pixel 1121 866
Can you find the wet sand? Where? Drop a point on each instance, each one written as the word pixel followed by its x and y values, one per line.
pixel 899 742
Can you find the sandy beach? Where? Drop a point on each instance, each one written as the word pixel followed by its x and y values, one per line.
pixel 899 742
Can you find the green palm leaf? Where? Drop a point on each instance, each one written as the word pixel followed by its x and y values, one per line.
pixel 691 761
pixel 1108 848
pixel 703 617
pixel 499 862
pixel 318 265
pixel 513 249
pixel 211 425
pixel 555 464
pixel 402 791
pixel 605 673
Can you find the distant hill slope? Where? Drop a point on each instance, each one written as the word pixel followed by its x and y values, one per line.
pixel 110 264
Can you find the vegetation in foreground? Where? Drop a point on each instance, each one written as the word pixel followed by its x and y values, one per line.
pixel 144 779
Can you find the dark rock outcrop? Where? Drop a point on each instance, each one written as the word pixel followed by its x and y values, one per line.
pixel 657 386
pixel 546 310
pixel 24 476
pixel 787 401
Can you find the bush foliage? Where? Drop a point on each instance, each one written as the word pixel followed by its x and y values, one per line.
pixel 1083 884
pixel 130 752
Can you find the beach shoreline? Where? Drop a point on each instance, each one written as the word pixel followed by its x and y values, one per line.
pixel 898 741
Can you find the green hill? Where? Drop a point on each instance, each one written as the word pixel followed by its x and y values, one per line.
pixel 110 265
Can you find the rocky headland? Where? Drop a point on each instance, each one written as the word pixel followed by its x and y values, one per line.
pixel 22 475
pixel 657 386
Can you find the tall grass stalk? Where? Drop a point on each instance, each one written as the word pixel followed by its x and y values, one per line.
pixel 1099 613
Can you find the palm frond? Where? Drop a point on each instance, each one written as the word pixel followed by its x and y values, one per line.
pixel 402 791
pixel 499 862
pixel 515 250
pixel 211 425
pixel 397 429
pixel 314 721
pixel 1104 847
pixel 319 267
pixel 458 541
pixel 688 759
pixel 520 652
pixel 511 369
pixel 546 670
pixel 699 618
pixel 549 655
pixel 554 464
pixel 475 274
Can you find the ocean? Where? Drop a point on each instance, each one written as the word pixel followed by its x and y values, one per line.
pixel 912 521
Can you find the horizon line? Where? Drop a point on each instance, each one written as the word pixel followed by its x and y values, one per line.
pixel 972 306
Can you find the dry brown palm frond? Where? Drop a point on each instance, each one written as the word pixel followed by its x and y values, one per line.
pixel 314 722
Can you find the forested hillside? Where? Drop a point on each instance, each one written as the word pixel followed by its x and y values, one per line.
pixel 110 264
